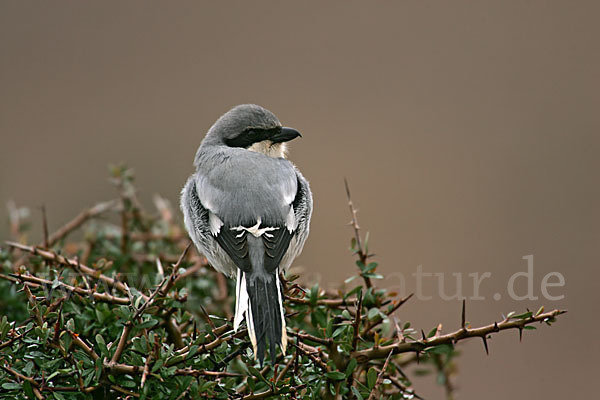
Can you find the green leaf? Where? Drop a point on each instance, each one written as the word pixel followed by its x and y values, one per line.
pixel 372 275
pixel 335 375
pixel 373 313
pixel 332 389
pixel 539 311
pixel 357 393
pixel 371 378
pixel 356 291
pixel 257 374
pixel 128 384
pixel 319 317
pixel 360 265
pixel 11 386
pixel 526 315
pixel 314 294
pixel 157 365
pixel 98 368
pixel 101 345
pixel 351 367
pixel 441 349
pixel 28 390
pixel 147 324
pixel 66 339
pixel 370 267
pixel 329 327
pixel 339 331
pixel 99 316
pixel 58 396
pixel 52 375
pixel 192 351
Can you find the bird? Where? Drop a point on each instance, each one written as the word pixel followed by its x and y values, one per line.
pixel 247 208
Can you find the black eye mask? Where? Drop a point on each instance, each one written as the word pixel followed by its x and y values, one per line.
pixel 250 136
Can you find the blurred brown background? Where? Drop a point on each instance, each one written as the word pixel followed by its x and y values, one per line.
pixel 469 132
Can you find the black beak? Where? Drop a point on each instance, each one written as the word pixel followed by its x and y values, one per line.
pixel 285 135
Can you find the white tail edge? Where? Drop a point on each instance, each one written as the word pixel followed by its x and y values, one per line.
pixel 282 311
pixel 243 308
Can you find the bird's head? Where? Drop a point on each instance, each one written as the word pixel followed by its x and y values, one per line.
pixel 253 128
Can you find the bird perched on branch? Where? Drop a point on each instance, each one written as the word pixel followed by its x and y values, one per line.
pixel 247 209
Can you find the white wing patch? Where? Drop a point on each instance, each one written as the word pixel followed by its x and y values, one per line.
pixel 290 221
pixel 215 223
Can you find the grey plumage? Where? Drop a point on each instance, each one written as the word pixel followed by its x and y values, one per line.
pixel 248 210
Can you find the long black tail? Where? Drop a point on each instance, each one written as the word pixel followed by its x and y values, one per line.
pixel 266 313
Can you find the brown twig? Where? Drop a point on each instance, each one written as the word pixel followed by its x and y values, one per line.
pixel 373 393
pixel 45 227
pixel 356 323
pixel 361 253
pixel 451 338
pixel 20 376
pixel 332 303
pixel 182 354
pixel 15 338
pixel 129 324
pixel 83 346
pixel 305 336
pixel 379 319
pixel 76 222
pixel 48 255
pixel 287 367
pixel 104 297
pixel 313 354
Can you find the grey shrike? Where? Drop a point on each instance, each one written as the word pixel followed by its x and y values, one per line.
pixel 247 209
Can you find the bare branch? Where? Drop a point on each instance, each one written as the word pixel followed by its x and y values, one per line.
pixel 80 219
pixel 451 338
pixel 362 254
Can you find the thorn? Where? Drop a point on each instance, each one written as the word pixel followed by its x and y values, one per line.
pixel 45 227
pixel 520 334
pixel 485 345
pixel 463 320
pixel 159 267
pixel 347 187
pixel 418 356
pixel 496 327
pixel 57 330
pixel 210 322
pixel 423 334
pixel 181 257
